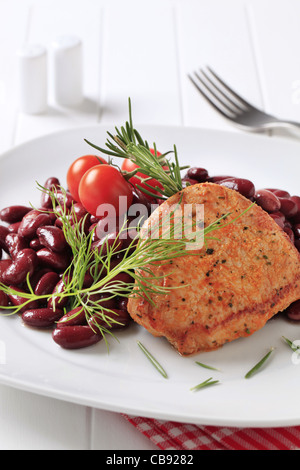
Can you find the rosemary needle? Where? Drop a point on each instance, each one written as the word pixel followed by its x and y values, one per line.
pixel 206 366
pixel 292 345
pixel 258 365
pixel 206 383
pixel 153 360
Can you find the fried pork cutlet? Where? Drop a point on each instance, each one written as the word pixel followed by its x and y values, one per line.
pixel 232 287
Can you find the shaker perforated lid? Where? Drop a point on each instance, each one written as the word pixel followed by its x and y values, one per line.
pixel 32 78
pixel 67 73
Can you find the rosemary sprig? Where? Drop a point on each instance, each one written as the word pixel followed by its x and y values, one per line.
pixel 258 365
pixel 128 143
pixel 204 384
pixel 153 360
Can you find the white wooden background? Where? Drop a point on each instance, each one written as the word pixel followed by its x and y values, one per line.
pixel 142 49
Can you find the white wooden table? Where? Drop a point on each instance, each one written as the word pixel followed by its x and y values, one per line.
pixel 142 49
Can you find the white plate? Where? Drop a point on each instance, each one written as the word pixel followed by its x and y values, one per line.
pixel 123 380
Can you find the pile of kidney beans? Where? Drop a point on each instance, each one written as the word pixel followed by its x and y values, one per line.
pixel 32 241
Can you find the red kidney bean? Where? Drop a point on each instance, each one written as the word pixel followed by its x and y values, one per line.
pixel 65 199
pixel 241 185
pixel 122 304
pixel 36 276
pixel 41 317
pixel 59 223
pixel 94 235
pixel 4 264
pixel 94 219
pixel 288 207
pixel 296 230
pixel 57 261
pixel 106 226
pixel 267 200
pixel 59 302
pixel 50 183
pixel 105 300
pixel 120 316
pixel 290 233
pixel 3 233
pixel 293 311
pixel 111 240
pixel 35 244
pixel 279 218
pixel 287 223
pixel 88 280
pixel 13 228
pixel 140 198
pixel 78 211
pixel 217 178
pixel 3 299
pixel 123 277
pixel 296 218
pixel 78 319
pixel 296 199
pixel 279 192
pixel 15 243
pixel 52 237
pixel 14 214
pixel 198 174
pixel 24 263
pixel 47 283
pixel 32 221
pixel 17 300
pixel 75 337
pixel 131 240
pixel 297 244
pixel 188 182
pixel 82 224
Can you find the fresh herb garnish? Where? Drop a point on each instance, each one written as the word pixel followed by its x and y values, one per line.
pixel 258 365
pixel 128 143
pixel 292 344
pixel 206 366
pixel 204 384
pixel 153 360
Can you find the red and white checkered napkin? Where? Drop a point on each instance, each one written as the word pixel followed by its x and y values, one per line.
pixel 169 435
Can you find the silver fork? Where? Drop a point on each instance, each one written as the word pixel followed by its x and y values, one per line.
pixel 233 107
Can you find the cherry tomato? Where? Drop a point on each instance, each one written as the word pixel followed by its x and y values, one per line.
pixel 104 184
pixel 129 166
pixel 78 169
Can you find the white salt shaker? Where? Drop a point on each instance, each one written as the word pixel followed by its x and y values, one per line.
pixel 67 70
pixel 32 78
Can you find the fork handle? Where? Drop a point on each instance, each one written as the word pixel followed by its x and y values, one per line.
pixel 289 124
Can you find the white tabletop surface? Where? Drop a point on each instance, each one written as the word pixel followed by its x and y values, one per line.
pixel 142 49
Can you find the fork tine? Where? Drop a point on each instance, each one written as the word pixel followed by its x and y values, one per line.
pixel 229 89
pixel 215 92
pixel 236 106
pixel 226 111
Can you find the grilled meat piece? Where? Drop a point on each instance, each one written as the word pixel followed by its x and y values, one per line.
pixel 234 285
